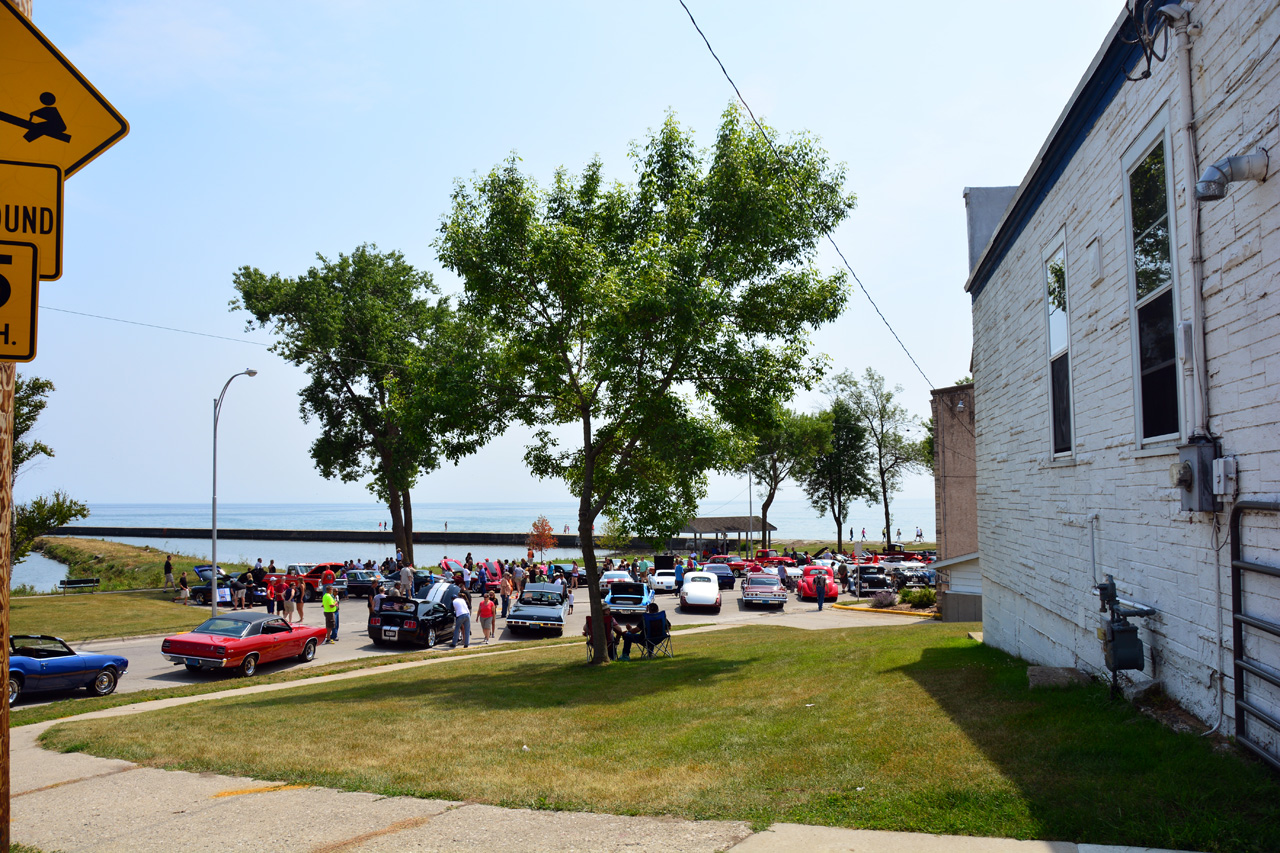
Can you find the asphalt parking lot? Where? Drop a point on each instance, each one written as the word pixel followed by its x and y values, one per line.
pixel 149 670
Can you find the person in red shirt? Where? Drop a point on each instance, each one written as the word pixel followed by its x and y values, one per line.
pixel 271 595
pixel 327 578
pixel 486 612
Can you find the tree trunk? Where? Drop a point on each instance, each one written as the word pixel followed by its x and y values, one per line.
pixel 766 538
pixel 884 495
pixel 599 635
pixel 408 528
pixel 397 518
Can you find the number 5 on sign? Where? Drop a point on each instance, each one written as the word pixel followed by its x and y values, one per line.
pixel 19 285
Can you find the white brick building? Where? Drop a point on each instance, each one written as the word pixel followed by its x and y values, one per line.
pixel 1094 360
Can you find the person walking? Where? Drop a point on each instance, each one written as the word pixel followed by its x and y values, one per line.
pixel 168 573
pixel 486 611
pixel 330 604
pixel 820 587
pixel 461 621
pixel 843 574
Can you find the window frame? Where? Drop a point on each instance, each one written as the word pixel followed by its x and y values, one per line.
pixel 1058 246
pixel 1156 133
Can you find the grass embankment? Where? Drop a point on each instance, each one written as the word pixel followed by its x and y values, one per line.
pixel 910 728
pixel 85 616
pixel 120 566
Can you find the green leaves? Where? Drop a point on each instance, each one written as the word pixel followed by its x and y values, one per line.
pixel 658 316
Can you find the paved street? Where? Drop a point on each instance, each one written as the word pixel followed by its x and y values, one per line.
pixel 148 670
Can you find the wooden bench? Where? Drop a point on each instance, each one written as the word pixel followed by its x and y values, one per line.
pixel 79 583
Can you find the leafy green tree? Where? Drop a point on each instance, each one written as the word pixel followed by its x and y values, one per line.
pixel 616 537
pixel 784 443
pixel 837 473
pixel 927 446
pixel 894 453
pixel 47 512
pixel 360 326
pixel 657 317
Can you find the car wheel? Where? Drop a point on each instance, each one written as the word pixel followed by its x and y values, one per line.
pixel 308 595
pixel 308 652
pixel 201 600
pixel 192 667
pixel 249 666
pixel 431 638
pixel 716 610
pixel 104 684
pixel 378 641
pixel 15 688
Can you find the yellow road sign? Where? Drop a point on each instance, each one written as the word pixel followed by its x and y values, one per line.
pixel 49 113
pixel 19 294
pixel 31 210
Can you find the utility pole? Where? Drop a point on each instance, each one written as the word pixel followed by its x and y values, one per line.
pixel 8 382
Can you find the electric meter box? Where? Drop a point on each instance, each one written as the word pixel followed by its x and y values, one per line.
pixel 1122 647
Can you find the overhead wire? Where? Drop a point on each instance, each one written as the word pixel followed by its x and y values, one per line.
pixel 787 172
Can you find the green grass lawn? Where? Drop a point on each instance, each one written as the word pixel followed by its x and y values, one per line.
pixel 120 566
pixel 903 728
pixel 91 616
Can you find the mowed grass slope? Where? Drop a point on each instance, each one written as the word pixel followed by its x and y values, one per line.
pixel 92 616
pixel 903 728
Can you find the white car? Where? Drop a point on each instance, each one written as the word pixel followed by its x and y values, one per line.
pixel 701 589
pixel 663 580
pixel 613 577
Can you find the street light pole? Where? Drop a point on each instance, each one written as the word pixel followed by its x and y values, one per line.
pixel 213 570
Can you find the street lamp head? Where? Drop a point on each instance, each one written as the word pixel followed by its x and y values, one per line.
pixel 251 372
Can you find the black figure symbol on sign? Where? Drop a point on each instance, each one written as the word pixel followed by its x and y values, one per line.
pixel 5 290
pixel 46 121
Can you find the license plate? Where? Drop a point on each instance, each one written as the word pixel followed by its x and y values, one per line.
pixel 390 633
pixel 193 662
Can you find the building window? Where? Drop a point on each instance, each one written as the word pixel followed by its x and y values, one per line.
pixel 1153 292
pixel 1055 278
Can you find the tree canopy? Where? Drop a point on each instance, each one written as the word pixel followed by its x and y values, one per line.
pixel 360 326
pixel 784 443
pixel 837 474
pixel 655 317
pixel 889 427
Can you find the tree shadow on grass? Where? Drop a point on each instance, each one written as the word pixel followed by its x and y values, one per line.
pixel 1094 770
pixel 525 684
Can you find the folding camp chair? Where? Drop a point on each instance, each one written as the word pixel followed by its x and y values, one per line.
pixel 657 636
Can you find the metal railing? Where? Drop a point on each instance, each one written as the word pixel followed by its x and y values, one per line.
pixel 1243 665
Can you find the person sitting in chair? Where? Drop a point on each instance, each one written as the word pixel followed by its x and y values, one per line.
pixel 612 631
pixel 635 634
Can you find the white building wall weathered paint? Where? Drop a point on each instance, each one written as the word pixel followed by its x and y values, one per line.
pixel 1033 510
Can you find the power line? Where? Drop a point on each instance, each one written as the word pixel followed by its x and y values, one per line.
pixel 219 337
pixel 787 173
pixel 154 326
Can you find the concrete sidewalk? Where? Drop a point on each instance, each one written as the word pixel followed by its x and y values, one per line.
pixel 77 803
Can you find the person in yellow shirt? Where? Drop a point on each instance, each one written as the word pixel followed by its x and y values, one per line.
pixel 330 604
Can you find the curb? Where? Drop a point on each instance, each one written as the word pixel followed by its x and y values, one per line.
pixel 881 610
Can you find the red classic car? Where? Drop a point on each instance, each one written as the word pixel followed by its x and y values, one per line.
pixel 807 581
pixel 738 565
pixel 770 557
pixel 241 640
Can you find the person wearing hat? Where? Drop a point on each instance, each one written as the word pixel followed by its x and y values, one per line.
pixel 613 631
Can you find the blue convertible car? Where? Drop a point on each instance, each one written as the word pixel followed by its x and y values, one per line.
pixel 46 663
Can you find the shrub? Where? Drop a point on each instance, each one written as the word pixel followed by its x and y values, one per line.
pixel 884 599
pixel 920 598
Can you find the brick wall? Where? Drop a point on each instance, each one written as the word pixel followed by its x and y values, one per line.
pixel 1034 510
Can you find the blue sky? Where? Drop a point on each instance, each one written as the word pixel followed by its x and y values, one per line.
pixel 263 133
